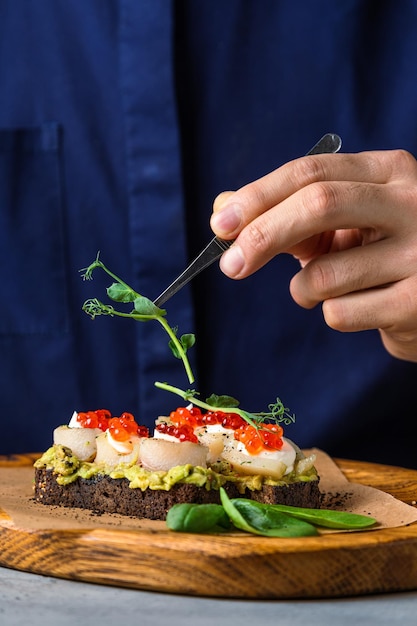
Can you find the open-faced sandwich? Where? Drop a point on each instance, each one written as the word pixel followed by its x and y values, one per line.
pixel 112 464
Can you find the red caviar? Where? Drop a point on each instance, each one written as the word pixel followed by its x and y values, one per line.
pixel 121 428
pixel 187 416
pixel 255 440
pixel 194 417
pixel 184 420
pixel 183 432
pixel 94 419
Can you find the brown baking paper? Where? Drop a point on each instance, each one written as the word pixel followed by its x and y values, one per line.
pixel 342 495
pixel 20 510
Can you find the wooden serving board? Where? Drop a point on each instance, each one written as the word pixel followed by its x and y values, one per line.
pixel 150 557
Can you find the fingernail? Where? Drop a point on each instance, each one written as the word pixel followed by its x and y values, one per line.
pixel 232 261
pixel 227 220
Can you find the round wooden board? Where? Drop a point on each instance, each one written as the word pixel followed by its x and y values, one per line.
pixel 237 565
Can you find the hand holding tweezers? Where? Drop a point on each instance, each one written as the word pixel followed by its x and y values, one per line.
pixel 329 143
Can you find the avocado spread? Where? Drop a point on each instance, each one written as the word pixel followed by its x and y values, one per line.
pixel 68 468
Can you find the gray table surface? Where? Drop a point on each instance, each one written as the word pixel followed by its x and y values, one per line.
pixel 41 600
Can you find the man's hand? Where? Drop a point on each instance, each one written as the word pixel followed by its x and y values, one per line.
pixel 351 220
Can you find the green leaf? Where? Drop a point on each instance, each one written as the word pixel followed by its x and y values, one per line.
pixel 259 519
pixel 144 306
pixel 121 293
pixel 187 341
pixel 328 518
pixel 268 520
pixel 223 401
pixel 197 518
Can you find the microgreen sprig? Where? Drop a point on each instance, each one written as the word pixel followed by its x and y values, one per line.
pixel 277 412
pixel 144 310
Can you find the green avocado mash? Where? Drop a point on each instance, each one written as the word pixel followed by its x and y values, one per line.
pixel 68 468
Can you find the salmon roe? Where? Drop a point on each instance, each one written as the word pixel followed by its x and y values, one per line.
pixel 255 440
pixel 121 428
pixel 194 417
pixel 183 432
pixel 184 420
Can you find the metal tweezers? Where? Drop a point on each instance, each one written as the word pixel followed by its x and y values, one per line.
pixel 329 143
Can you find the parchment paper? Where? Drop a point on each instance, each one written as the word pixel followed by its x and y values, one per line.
pixel 343 495
pixel 20 510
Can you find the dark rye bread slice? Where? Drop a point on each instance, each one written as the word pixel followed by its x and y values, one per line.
pixel 103 494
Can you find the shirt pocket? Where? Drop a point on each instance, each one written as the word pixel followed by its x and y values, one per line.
pixel 32 268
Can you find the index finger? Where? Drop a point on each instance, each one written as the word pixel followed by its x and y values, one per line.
pixel 304 198
pixel 238 209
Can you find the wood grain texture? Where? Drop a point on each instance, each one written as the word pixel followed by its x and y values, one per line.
pixel 238 565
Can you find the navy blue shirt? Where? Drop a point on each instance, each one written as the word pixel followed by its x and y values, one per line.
pixel 120 121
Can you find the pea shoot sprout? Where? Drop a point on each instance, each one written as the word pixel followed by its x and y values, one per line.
pixel 277 413
pixel 144 310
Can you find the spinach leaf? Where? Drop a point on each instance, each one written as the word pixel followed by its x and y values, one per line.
pixel 328 518
pixel 197 518
pixel 268 520
pixel 260 519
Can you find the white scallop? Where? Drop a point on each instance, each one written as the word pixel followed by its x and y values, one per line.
pixel 158 435
pixel 160 454
pixel 275 463
pixel 215 437
pixel 110 452
pixel 82 441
